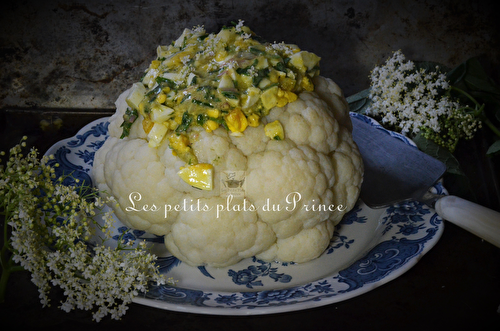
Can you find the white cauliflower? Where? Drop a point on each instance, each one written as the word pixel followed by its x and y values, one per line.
pixel 317 164
pixel 206 109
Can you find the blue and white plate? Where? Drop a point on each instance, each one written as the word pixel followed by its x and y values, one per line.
pixel 370 247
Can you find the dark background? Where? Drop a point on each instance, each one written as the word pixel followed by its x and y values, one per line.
pixel 70 60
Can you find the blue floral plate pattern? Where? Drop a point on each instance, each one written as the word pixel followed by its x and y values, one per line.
pixel 370 247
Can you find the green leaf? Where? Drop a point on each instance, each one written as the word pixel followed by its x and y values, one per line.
pixel 442 154
pixel 202 103
pixel 201 119
pixel 358 96
pixel 457 74
pixel 256 51
pixel 231 94
pixel 494 148
pixel 280 66
pixel 168 82
pixel 471 77
pixel 478 78
pixel 186 122
pixel 359 102
pixel 477 83
pixel 128 119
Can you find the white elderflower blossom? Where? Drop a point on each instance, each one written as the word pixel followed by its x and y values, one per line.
pixel 185 59
pixel 246 35
pixel 239 29
pixel 283 48
pixel 413 101
pixel 49 223
pixel 240 25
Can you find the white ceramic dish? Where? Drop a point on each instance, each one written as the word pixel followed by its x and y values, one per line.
pixel 369 248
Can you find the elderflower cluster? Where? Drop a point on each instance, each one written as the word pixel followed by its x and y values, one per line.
pixel 49 225
pixel 412 101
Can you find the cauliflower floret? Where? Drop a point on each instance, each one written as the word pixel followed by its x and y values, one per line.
pixel 300 186
pixel 307 122
pixel 300 178
pixel 331 93
pixel 222 237
pixel 302 247
pixel 135 175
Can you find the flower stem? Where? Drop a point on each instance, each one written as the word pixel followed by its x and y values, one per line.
pixel 6 262
pixel 478 112
pixel 467 95
pixel 491 125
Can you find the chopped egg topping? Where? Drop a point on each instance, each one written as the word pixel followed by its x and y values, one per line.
pixel 227 79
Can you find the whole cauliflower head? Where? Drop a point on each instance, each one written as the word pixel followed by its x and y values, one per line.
pixel 298 170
